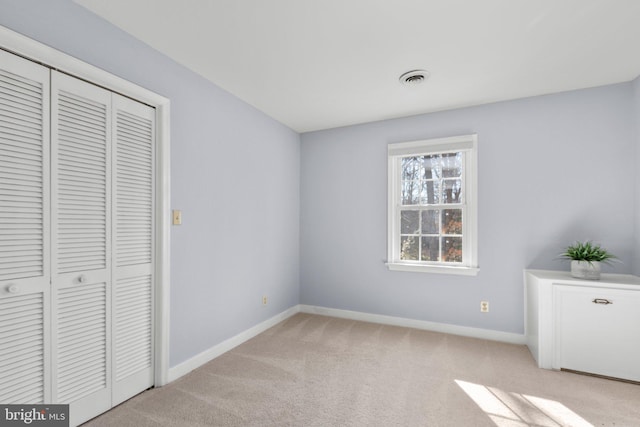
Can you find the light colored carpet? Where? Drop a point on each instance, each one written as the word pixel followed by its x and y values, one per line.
pixel 320 371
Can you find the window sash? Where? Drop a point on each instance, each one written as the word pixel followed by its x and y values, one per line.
pixel 440 234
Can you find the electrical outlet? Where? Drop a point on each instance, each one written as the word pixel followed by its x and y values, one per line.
pixel 484 306
pixel 264 300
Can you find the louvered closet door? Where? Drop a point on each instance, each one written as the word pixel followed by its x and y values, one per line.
pixel 24 231
pixel 81 246
pixel 133 243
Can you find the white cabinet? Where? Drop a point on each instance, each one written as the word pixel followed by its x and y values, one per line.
pixel 582 325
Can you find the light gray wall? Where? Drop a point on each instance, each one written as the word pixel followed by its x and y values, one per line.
pixel 635 111
pixel 552 170
pixel 234 173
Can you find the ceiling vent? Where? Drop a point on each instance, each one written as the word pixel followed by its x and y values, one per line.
pixel 413 78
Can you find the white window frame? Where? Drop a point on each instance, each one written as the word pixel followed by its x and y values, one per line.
pixel 396 151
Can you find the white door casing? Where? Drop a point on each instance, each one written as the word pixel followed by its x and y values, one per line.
pixel 43 54
pixel 144 286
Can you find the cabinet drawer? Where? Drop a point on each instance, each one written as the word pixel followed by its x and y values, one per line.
pixel 597 331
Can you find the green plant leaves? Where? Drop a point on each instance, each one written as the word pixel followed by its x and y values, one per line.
pixel 587 251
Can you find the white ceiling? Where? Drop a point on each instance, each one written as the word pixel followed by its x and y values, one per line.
pixel 317 64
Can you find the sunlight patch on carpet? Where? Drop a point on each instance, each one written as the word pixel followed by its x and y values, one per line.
pixel 515 409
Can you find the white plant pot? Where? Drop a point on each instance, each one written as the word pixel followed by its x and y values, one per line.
pixel 585 270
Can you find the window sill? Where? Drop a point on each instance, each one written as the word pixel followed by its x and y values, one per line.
pixel 439 269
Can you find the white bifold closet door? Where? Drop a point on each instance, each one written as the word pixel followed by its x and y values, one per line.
pixel 133 247
pixel 24 231
pixel 102 246
pixel 81 245
pixel 76 241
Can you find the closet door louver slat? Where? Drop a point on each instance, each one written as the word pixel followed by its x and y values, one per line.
pixel 134 187
pixel 82 176
pixel 24 231
pixel 22 344
pixel 133 166
pixel 22 166
pixel 132 326
pixel 81 342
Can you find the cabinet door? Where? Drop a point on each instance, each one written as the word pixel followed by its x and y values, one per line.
pixel 598 331
pixel 81 246
pixel 24 231
pixel 133 207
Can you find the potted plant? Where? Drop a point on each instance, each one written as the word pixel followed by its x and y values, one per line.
pixel 586 258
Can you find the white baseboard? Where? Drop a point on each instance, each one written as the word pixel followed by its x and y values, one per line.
pixel 465 331
pixel 198 360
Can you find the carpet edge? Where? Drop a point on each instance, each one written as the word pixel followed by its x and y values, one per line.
pixel 200 359
pixel 465 331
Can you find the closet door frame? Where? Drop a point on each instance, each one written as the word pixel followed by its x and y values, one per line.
pixel 30 49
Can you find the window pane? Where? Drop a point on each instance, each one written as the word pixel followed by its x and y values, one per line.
pixel 409 247
pixel 432 167
pixel 452 249
pixel 451 165
pixel 409 222
pixel 430 249
pixel 430 194
pixel 412 168
pixel 411 192
pixel 452 191
pixel 431 222
pixel 452 221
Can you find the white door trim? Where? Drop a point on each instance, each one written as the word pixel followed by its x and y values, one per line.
pixel 48 56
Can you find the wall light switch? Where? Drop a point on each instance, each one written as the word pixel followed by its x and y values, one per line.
pixel 177 217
